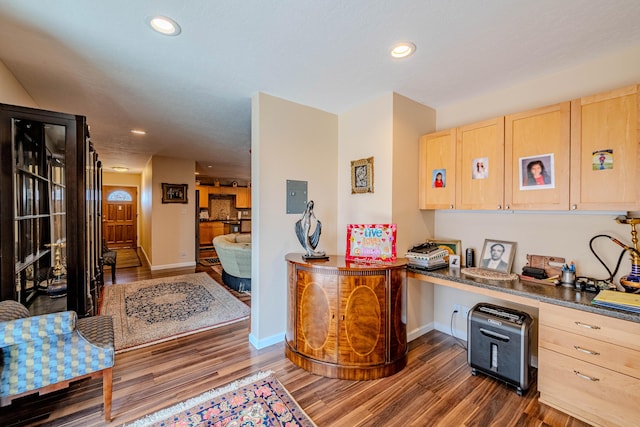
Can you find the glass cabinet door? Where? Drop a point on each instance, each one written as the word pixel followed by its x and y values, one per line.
pixel 39 210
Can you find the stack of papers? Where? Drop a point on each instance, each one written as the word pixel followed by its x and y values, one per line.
pixel 619 300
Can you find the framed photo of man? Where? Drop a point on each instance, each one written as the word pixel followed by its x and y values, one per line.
pixel 498 255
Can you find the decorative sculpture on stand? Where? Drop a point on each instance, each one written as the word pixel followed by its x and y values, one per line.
pixel 309 240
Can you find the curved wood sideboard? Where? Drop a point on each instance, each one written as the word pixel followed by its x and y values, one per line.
pixel 346 320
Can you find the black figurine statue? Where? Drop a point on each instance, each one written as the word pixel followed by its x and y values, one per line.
pixel 308 240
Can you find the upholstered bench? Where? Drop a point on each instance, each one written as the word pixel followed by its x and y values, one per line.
pixel 46 353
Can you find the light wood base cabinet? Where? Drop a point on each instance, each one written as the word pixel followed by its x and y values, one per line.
pixel 346 320
pixel 589 366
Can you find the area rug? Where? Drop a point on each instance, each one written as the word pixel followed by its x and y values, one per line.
pixel 260 400
pixel 127 257
pixel 209 261
pixel 156 310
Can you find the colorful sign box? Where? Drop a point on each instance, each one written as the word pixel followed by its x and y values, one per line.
pixel 371 242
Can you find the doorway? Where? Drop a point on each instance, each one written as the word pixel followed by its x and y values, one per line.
pixel 120 217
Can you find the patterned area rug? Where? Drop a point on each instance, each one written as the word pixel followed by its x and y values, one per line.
pixel 156 310
pixel 254 401
pixel 209 261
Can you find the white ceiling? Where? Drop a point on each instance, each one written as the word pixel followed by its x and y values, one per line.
pixel 192 93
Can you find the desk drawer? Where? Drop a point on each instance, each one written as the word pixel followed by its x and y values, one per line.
pixel 603 328
pixel 610 356
pixel 588 391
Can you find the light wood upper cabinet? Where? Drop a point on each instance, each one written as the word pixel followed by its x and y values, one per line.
pixel 203 198
pixel 605 149
pixel 483 141
pixel 437 152
pixel 243 197
pixel 540 140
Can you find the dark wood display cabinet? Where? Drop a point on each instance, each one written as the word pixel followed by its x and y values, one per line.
pixel 50 181
pixel 346 320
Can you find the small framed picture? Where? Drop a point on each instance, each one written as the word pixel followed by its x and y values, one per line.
pixel 451 246
pixel 537 172
pixel 480 168
pixel 439 178
pixel 362 176
pixel 174 193
pixel 498 255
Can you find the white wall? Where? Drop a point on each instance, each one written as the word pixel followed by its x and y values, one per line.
pixel 11 91
pixel 173 231
pixel 559 234
pixel 411 120
pixel 295 142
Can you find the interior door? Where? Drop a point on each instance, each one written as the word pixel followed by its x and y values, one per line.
pixel 119 221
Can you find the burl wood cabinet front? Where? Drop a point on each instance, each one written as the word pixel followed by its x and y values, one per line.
pixel 348 318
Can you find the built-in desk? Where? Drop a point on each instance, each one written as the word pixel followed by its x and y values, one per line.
pixel 588 356
pixel 521 292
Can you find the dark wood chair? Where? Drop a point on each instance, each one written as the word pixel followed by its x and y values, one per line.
pixel 109 257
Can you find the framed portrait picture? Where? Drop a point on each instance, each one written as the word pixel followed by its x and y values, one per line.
pixel 497 255
pixel 362 176
pixel 480 168
pixel 537 172
pixel 174 193
pixel 439 178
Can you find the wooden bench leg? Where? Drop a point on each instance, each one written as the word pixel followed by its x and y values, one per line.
pixel 113 273
pixel 107 384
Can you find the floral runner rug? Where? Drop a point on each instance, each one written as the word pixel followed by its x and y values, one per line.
pixel 156 310
pixel 260 400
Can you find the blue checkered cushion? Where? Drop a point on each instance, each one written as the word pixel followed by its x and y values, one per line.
pixel 41 350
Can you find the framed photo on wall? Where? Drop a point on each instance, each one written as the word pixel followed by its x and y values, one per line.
pixel 537 172
pixel 362 176
pixel 174 193
pixel 498 255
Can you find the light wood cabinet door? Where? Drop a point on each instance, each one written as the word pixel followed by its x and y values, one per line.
pixel 243 198
pixel 203 198
pixel 480 142
pixel 538 140
pixel 437 152
pixel 605 153
pixel 206 233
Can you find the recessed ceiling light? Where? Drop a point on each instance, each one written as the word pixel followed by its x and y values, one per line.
pixel 164 25
pixel 138 132
pixel 120 169
pixel 403 49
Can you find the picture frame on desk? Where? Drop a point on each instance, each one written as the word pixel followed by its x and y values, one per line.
pixel 497 255
pixel 452 246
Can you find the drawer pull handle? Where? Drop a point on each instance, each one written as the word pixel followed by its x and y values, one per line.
pixel 584 350
pixel 586 325
pixel 585 377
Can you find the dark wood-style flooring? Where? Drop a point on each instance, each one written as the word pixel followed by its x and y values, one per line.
pixel 436 387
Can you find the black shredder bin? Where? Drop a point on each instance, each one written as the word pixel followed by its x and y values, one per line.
pixel 499 344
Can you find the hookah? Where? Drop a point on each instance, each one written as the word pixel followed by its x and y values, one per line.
pixel 57 280
pixel 631 282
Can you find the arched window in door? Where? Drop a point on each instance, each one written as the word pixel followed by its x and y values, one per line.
pixel 119 196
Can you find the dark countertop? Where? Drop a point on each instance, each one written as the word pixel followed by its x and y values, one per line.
pixel 224 221
pixel 559 295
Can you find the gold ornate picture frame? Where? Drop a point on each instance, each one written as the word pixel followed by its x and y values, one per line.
pixel 362 176
pixel 174 193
